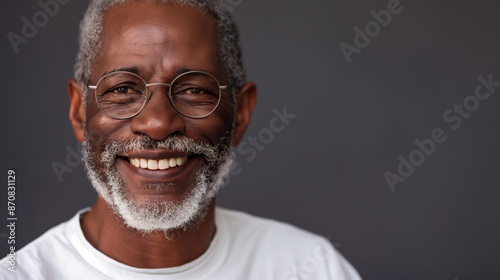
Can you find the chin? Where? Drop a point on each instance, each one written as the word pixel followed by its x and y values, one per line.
pixel 163 204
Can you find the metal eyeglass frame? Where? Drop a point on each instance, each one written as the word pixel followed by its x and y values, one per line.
pixel 148 94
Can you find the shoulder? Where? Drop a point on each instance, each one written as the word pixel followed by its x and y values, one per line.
pixel 272 244
pixel 247 225
pixel 39 258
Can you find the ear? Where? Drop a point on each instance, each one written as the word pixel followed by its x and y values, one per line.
pixel 76 110
pixel 245 103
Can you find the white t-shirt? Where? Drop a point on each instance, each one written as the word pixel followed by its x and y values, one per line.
pixel 244 247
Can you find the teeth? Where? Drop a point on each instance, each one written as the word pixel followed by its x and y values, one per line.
pixel 153 164
pixel 162 164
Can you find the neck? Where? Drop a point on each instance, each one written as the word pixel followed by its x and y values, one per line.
pixel 108 234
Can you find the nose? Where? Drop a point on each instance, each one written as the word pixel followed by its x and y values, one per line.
pixel 158 119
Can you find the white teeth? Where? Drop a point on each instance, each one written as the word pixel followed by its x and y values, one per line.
pixel 153 164
pixel 163 164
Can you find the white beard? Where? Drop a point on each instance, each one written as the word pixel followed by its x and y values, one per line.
pixel 159 215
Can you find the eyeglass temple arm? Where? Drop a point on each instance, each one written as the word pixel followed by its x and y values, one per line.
pixel 156 84
pixel 168 85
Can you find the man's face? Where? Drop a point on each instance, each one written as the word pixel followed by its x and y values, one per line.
pixel 157 42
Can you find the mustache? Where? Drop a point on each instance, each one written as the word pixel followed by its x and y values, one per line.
pixel 112 148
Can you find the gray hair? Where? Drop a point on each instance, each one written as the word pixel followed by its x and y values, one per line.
pixel 229 51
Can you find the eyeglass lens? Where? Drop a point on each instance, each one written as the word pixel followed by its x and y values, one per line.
pixel 122 94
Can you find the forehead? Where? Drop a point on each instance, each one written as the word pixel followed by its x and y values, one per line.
pixel 154 36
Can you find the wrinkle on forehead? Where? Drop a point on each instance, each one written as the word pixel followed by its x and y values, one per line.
pixel 158 34
pixel 137 38
pixel 119 20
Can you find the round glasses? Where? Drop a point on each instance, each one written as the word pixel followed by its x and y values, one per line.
pixel 123 95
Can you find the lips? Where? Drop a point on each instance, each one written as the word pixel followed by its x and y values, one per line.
pixel 151 166
pixel 157 164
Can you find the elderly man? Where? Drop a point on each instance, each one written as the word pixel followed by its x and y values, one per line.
pixel 159 99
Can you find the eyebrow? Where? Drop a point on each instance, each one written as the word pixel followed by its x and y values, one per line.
pixel 184 70
pixel 133 69
pixel 137 71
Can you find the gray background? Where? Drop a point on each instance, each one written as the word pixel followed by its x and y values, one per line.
pixel 324 172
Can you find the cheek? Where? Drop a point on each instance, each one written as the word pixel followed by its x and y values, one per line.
pixel 215 126
pixel 225 113
pixel 99 126
pixel 211 129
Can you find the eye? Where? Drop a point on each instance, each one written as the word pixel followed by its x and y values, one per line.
pixel 122 90
pixel 195 91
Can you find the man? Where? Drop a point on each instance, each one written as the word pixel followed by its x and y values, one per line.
pixel 159 99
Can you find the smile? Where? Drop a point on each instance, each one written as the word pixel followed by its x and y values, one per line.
pixel 160 164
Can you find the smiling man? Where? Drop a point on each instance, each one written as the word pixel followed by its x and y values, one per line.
pixel 159 100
